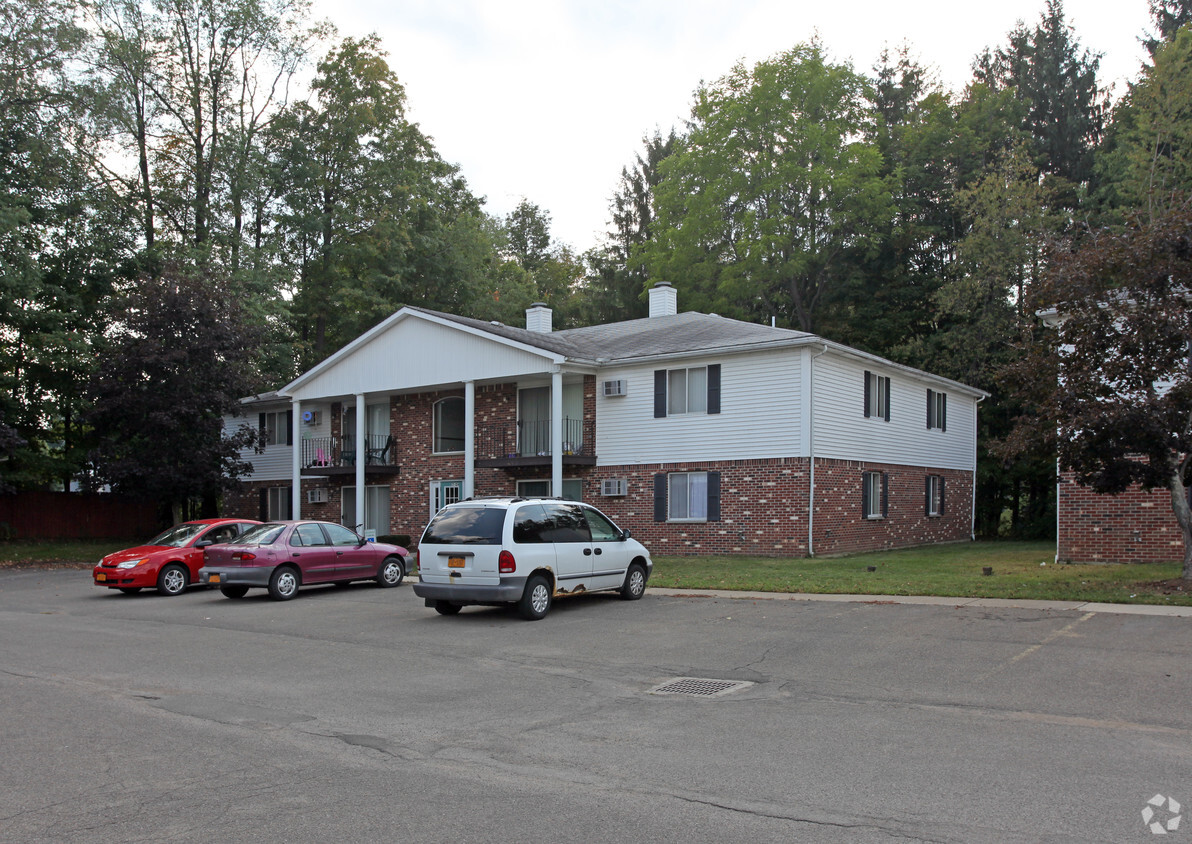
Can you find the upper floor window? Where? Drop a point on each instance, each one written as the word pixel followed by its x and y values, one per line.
pixel 877 396
pixel 276 427
pixel 449 425
pixel 937 410
pixel 694 389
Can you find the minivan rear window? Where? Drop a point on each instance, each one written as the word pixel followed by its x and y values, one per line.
pixel 466 526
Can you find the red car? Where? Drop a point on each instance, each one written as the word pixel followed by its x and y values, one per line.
pixel 169 562
pixel 281 556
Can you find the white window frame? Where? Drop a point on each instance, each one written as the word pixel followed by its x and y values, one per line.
pixel 878 388
pixel 444 492
pixel 278 500
pixel 935 486
pixel 690 500
pixel 873 483
pixel 574 484
pixel 275 427
pixel 939 411
pixel 673 404
pixel 434 426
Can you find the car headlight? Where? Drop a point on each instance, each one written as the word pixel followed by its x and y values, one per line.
pixel 130 564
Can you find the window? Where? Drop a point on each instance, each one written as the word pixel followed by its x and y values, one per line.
pixel 376 510
pixel 877 396
pixel 443 493
pixel 308 535
pixel 449 425
pixel 687 497
pixel 937 410
pixel 276 504
pixel 875 494
pixel 692 390
pixel 276 427
pixel 573 489
pixel 935 495
pixel 340 535
pixel 602 529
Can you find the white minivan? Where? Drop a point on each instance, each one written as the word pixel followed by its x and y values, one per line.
pixel 524 551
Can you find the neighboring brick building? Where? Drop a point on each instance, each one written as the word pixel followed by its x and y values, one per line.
pixel 1133 527
pixel 699 433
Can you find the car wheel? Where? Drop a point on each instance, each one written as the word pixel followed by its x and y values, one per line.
pixel 129 590
pixel 447 608
pixel 172 580
pixel 283 584
pixel 391 573
pixel 234 590
pixel 635 583
pixel 535 601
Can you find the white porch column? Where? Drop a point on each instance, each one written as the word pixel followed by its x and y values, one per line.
pixel 361 457
pixel 296 460
pixel 556 433
pixel 469 440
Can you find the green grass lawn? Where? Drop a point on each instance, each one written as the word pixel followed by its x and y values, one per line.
pixel 1020 570
pixel 83 552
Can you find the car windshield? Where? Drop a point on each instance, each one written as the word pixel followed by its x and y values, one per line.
pixel 260 535
pixel 177 536
pixel 466 526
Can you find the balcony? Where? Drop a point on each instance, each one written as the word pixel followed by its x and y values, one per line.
pixel 328 456
pixel 528 443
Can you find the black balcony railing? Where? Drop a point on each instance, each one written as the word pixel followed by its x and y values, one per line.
pixel 511 440
pixel 335 452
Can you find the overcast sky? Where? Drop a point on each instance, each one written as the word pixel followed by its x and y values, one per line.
pixel 549 100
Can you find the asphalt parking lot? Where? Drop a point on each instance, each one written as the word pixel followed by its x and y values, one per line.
pixel 357 714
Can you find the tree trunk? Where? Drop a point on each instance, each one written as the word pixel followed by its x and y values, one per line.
pixel 1183 515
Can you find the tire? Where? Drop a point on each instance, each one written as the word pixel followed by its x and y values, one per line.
pixel 635 583
pixel 129 590
pixel 283 583
pixel 391 573
pixel 233 590
pixel 536 600
pixel 172 580
pixel 447 608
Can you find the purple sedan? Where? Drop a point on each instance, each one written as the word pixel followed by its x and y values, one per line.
pixel 282 556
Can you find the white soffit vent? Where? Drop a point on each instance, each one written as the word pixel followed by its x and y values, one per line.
pixel 699 687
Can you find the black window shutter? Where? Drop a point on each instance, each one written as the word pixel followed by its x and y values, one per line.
pixel 714 388
pixel 660 498
pixel 927 495
pixel 885 495
pixel 659 393
pixel 888 402
pixel 713 496
pixel 941 495
pixel 930 407
pixel 943 411
pixel 289 508
pixel 290 427
pixel 264 510
pixel 262 423
pixel 866 391
pixel 865 495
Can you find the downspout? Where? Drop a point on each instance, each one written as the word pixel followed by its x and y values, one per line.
pixel 811 455
pixel 973 516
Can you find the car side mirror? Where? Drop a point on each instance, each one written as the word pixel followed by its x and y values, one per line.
pixel 625 534
pixel 204 543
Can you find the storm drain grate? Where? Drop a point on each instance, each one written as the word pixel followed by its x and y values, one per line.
pixel 699 687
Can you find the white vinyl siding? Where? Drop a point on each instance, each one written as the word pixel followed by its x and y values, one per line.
pixel 843 433
pixel 760 413
pixel 275 463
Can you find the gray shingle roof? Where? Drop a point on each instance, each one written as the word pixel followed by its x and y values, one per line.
pixel 635 338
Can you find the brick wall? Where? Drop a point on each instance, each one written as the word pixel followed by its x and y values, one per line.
pixel 1134 527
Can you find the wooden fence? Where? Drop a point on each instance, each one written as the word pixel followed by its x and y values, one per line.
pixel 62 515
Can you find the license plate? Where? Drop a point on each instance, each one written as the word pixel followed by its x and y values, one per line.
pixel 455 562
pixel 101 577
pixel 213 578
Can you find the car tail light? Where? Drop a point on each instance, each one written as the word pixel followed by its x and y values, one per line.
pixel 506 563
pixel 244 555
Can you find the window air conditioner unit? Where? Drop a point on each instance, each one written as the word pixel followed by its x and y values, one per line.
pixel 312 417
pixel 316 496
pixel 614 487
pixel 619 387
